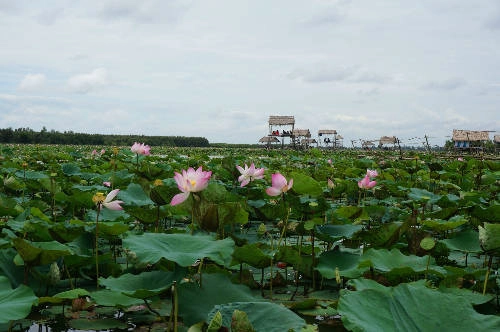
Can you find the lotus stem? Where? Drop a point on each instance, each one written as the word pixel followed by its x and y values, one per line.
pixel 490 261
pixel 176 307
pixel 97 245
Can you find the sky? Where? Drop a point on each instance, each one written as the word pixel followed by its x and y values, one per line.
pixel 219 68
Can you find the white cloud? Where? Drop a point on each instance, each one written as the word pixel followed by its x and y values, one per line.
pixel 447 84
pixel 32 82
pixel 84 83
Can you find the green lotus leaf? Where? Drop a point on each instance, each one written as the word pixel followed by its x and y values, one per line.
pixel 410 307
pixel 143 285
pixel 112 298
pixel 184 249
pixel 196 302
pixel 422 195
pixel 489 236
pixel 15 303
pixel 346 263
pixel 466 241
pixel 262 316
pixel 40 253
pixel 134 195
pixel 394 261
pixel 253 255
pixel 444 225
pixel 305 185
pixel 31 175
pixel 70 169
pixel 332 233
pixel 101 324
pixel 72 294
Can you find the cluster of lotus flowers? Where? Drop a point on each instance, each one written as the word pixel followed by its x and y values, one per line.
pixel 192 181
pixel 367 182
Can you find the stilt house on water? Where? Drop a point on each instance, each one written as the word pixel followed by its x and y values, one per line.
pixel 301 138
pixel 387 141
pixel 469 139
pixel 279 127
pixel 329 138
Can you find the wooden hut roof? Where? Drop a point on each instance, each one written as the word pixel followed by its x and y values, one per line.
pixel 496 138
pixel 388 140
pixel 301 132
pixel 269 139
pixel 281 120
pixel 327 132
pixel 340 137
pixel 470 135
pixel 308 141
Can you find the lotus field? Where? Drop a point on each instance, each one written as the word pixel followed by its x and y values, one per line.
pixel 143 238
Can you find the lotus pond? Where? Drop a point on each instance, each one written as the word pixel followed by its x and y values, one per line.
pixel 184 240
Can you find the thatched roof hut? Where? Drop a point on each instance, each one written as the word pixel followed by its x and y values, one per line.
pixel 387 140
pixel 281 120
pixel 470 135
pixel 322 132
pixel 307 141
pixel 301 133
pixel 269 139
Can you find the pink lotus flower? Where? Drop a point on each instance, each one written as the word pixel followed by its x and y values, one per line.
pixel 366 183
pixel 329 161
pixel 94 153
pixel 190 181
pixel 330 183
pixel 106 183
pixel 249 174
pixel 372 173
pixel 279 185
pixel 140 148
pixel 107 201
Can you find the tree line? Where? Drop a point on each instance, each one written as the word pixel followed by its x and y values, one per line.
pixel 29 136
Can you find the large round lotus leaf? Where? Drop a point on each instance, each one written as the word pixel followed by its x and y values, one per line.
pixel 134 195
pixel 40 253
pixel 395 262
pixel 332 233
pixel 102 324
pixel 15 303
pixel 410 307
pixel 106 215
pixel 31 175
pixel 466 241
pixel 304 184
pixel 252 255
pixel 195 302
pixel 263 316
pixel 346 263
pixel 438 225
pixel 110 298
pixel 184 249
pixel 70 169
pixel 144 285
pixel 422 195
pixel 489 236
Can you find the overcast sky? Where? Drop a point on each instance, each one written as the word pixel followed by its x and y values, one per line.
pixel 220 68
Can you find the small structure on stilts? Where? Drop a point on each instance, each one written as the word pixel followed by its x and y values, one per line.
pixel 469 140
pixel 300 138
pixel 269 141
pixel 329 138
pixel 280 126
pixel 387 142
